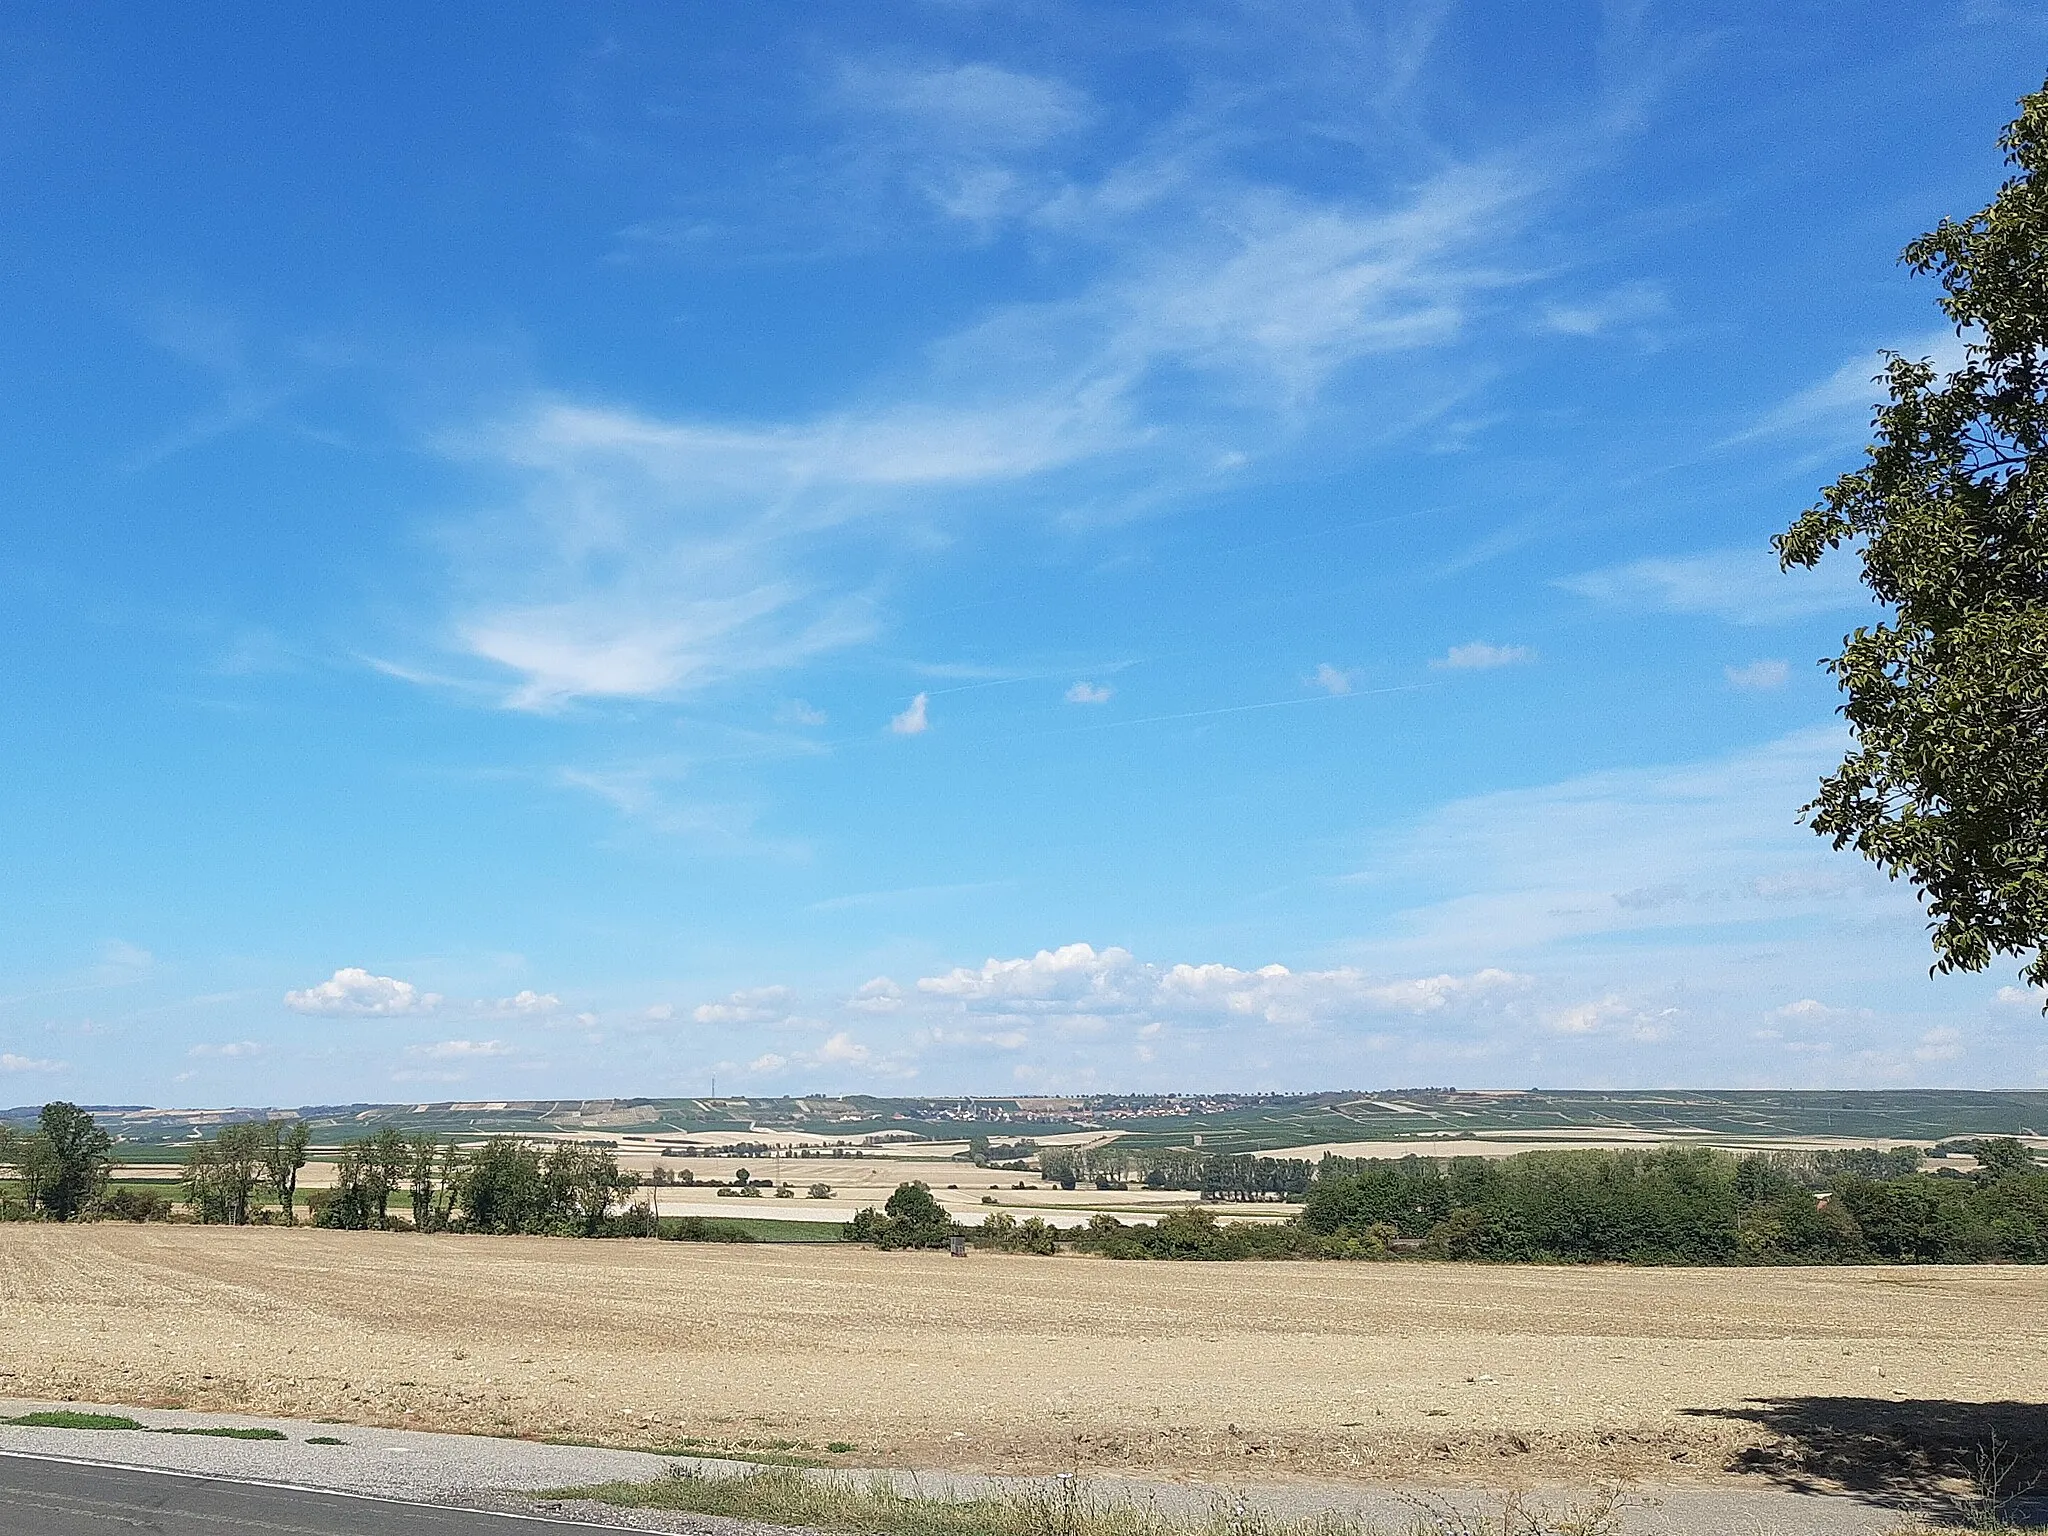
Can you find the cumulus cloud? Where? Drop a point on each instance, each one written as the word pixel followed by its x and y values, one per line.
pixel 880 995
pixel 9 1062
pixel 843 1049
pixel 1615 1015
pixel 527 1004
pixel 1079 980
pixel 751 1005
pixel 1331 680
pixel 1478 656
pixel 1758 676
pixel 353 990
pixel 1942 1043
pixel 1809 1010
pixel 913 721
pixel 1090 693
pixel 838 1052
pixel 231 1049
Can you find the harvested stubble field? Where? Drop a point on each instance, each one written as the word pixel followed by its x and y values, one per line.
pixel 1245 1371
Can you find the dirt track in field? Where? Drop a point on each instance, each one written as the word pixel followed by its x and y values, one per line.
pixel 1015 1364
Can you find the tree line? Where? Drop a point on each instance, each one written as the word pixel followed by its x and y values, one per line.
pixel 1217 1175
pixel 1670 1205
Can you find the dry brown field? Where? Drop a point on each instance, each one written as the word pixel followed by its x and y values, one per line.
pixel 1250 1371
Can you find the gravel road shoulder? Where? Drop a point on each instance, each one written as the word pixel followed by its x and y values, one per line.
pixel 506 1475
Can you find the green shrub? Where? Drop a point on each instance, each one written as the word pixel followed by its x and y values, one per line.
pixel 702 1229
pixel 1004 1233
pixel 136 1205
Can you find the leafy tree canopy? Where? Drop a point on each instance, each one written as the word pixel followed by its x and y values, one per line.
pixel 1947 780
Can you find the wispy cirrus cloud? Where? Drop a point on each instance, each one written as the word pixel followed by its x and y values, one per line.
pixel 632 555
pixel 1742 586
pixel 1840 405
pixel 461 1050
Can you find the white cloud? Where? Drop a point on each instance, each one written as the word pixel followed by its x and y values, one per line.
pixel 1614 1015
pixel 1809 1010
pixel 1743 586
pixel 1090 693
pixel 768 1063
pixel 751 1005
pixel 647 793
pixel 120 956
pixel 843 1050
pixel 1942 1043
pixel 1758 676
pixel 1331 680
pixel 2021 997
pixel 527 1004
pixel 659 1013
pixel 1478 655
pixel 1079 981
pixel 353 990
pixel 797 712
pixel 1630 306
pixel 231 1049
pixel 460 1050
pixel 880 995
pixel 1841 405
pixel 9 1062
pixel 650 558
pixel 914 721
pixel 638 557
pixel 976 105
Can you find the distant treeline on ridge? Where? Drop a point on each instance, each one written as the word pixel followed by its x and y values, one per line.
pixel 1666 1205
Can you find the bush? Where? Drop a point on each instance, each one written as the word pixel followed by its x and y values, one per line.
pixel 700 1229
pixel 1197 1235
pixel 136 1205
pixel 1003 1233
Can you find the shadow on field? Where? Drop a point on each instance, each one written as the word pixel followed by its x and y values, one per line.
pixel 1962 1459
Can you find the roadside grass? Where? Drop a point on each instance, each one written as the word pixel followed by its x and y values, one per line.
pixel 65 1418
pixel 1063 1506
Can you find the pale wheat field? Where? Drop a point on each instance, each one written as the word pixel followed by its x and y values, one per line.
pixel 1249 1371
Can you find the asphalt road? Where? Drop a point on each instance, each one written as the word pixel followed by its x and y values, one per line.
pixel 64 1498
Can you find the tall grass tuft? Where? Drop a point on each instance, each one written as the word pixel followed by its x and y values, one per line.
pixel 1061 1506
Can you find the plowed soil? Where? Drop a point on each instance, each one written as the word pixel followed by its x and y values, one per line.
pixel 1354 1371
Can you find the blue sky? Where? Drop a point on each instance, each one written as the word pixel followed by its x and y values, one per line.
pixel 952 546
